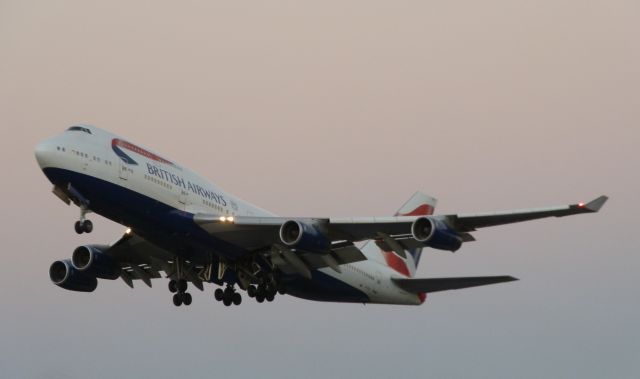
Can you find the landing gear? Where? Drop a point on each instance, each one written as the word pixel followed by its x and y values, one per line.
pixel 85 226
pixel 177 300
pixel 182 298
pixel 263 292
pixel 228 296
pixel 179 289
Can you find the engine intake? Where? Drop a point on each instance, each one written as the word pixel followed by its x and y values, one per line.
pixel 436 234
pixel 305 237
pixel 92 261
pixel 63 274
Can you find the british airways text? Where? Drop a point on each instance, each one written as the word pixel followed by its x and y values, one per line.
pixel 179 181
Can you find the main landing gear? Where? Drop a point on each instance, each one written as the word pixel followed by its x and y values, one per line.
pixel 179 289
pixel 83 225
pixel 263 292
pixel 228 296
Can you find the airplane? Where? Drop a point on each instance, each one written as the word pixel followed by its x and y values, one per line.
pixel 180 224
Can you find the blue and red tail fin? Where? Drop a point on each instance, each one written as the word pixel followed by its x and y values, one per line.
pixel 418 205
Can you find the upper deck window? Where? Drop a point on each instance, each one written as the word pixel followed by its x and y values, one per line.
pixel 79 128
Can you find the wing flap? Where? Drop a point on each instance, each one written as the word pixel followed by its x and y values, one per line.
pixel 444 284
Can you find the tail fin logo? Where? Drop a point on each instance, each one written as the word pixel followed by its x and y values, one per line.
pixel 424 206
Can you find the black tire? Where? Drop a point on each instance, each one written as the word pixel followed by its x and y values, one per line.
pixel 228 293
pixel 269 297
pixel 226 301
pixel 260 298
pixel 282 291
pixel 251 291
pixel 186 298
pixel 218 294
pixel 78 227
pixel 173 287
pixel 237 298
pixel 182 285
pixel 177 300
pixel 87 226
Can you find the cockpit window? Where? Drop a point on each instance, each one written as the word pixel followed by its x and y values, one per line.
pixel 80 129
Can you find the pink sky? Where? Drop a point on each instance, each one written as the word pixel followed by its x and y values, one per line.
pixel 338 108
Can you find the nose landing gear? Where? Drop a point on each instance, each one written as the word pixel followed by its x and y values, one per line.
pixel 83 225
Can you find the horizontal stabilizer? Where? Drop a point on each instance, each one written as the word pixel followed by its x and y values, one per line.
pixel 444 284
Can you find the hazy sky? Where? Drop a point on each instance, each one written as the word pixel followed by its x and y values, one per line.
pixel 337 108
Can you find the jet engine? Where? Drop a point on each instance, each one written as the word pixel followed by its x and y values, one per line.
pixel 436 234
pixel 92 261
pixel 305 237
pixel 63 274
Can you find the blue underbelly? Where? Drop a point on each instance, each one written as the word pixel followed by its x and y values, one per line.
pixel 322 287
pixel 155 221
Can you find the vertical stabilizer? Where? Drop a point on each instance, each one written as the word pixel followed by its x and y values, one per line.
pixel 418 205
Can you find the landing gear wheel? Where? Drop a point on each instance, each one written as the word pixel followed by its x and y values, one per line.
pixel 173 287
pixel 177 299
pixel 282 291
pixel 269 296
pixel 182 285
pixel 87 226
pixel 237 299
pixel 259 297
pixel 78 227
pixel 218 294
pixel 226 301
pixel 186 298
pixel 251 291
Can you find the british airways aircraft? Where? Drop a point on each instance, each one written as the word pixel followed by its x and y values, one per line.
pixel 196 233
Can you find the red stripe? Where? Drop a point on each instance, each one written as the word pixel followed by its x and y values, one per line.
pixel 396 263
pixel 423 210
pixel 139 150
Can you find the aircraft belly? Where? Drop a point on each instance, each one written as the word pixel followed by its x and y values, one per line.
pixel 323 287
pixel 150 218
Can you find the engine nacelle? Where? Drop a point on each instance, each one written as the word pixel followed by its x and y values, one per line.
pixel 435 233
pixel 305 237
pixel 92 261
pixel 63 274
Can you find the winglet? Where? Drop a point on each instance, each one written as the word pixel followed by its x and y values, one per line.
pixel 595 205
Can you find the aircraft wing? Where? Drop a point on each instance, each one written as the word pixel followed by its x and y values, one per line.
pixel 468 223
pixel 254 233
pixel 444 284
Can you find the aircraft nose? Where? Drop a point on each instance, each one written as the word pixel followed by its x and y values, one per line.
pixel 43 152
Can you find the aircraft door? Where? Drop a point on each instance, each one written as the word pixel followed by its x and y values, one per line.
pixel 183 198
pixel 124 172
